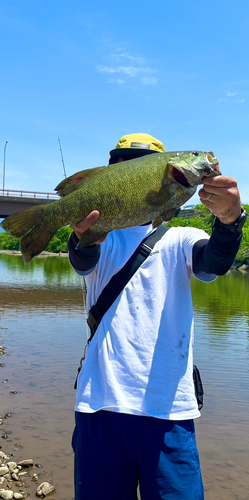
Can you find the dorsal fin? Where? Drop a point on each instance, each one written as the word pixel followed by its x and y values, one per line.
pixel 71 183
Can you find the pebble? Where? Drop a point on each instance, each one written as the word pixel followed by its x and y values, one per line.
pixel 24 474
pixel 26 463
pixel 12 466
pixel 15 476
pixel 44 489
pixel 6 494
pixel 18 496
pixel 4 470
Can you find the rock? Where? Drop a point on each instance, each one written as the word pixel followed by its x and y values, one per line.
pixel 6 494
pixel 2 454
pixel 34 477
pixel 4 470
pixel 15 476
pixel 44 489
pixel 24 474
pixel 18 496
pixel 26 463
pixel 12 466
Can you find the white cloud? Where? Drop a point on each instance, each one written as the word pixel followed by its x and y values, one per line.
pixel 149 80
pixel 233 101
pixel 121 62
pixel 117 80
pixel 126 70
pixel 135 59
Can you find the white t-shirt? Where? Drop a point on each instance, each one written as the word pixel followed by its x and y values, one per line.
pixel 140 360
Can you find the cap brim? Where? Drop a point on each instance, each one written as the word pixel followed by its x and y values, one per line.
pixel 131 151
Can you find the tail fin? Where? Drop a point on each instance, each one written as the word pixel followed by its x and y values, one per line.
pixel 35 241
pixel 20 223
pixel 31 220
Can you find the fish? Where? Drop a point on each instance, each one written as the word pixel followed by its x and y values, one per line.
pixel 126 194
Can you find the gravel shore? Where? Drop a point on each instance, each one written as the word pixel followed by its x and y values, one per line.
pixel 20 477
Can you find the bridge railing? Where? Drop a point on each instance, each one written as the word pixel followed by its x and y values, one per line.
pixel 28 194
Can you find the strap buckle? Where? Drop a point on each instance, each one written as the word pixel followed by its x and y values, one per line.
pixel 93 320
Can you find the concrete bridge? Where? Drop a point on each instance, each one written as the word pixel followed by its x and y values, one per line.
pixel 12 201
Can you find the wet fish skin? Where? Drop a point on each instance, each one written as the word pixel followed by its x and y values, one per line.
pixel 126 194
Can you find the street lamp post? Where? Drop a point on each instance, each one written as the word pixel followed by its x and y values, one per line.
pixel 4 156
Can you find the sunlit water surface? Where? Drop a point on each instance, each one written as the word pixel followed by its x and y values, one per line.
pixel 42 326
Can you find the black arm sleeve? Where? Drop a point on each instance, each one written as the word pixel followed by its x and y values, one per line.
pixel 216 255
pixel 82 259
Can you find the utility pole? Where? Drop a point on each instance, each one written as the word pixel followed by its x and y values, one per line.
pixel 61 155
pixel 4 156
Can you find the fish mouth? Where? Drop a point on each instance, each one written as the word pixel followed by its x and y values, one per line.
pixel 180 177
pixel 189 176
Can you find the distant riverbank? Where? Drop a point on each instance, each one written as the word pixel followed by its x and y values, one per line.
pixel 239 265
pixel 42 254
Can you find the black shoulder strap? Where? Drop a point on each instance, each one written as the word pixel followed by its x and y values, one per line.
pixel 119 280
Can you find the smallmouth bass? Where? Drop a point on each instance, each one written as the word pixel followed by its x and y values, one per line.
pixel 126 194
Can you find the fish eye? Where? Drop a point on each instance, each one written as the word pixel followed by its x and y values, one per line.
pixel 195 153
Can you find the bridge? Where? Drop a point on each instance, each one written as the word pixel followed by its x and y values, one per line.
pixel 12 201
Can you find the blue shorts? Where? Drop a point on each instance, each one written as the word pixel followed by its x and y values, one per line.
pixel 114 452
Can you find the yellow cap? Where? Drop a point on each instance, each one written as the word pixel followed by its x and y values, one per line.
pixel 138 142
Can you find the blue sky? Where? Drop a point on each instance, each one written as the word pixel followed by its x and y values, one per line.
pixel 94 71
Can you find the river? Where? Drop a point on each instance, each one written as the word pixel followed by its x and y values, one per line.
pixel 42 326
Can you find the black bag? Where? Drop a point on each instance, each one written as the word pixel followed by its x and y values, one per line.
pixel 199 392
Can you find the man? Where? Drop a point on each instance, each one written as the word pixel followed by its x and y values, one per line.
pixel 135 396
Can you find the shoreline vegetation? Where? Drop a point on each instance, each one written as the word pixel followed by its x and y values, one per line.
pixel 202 220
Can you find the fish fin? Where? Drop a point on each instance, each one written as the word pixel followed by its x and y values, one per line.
pixel 72 183
pixel 20 223
pixel 157 222
pixel 90 237
pixel 158 196
pixel 164 217
pixel 35 241
pixel 168 214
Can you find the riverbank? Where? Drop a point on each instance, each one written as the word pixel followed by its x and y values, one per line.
pixel 19 474
pixel 42 254
pixel 239 265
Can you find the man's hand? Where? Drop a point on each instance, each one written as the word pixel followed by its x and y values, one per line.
pixel 85 224
pixel 221 195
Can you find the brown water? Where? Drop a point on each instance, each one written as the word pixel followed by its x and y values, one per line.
pixel 42 326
